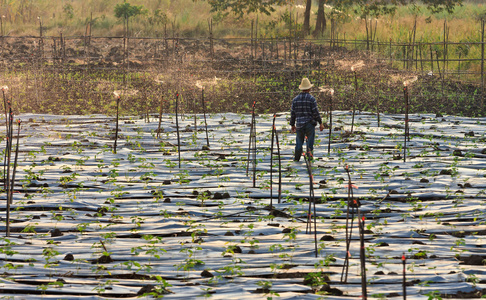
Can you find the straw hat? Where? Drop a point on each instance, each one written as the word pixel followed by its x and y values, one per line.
pixel 305 84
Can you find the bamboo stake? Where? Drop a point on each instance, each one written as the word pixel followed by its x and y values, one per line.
pixel 205 121
pixel 330 123
pixel 349 227
pixel 177 128
pixel 405 90
pixel 413 37
pixel 160 115
pixel 482 62
pixel 421 59
pixel 250 139
pixel 312 200
pixel 271 162
pixel 254 161
pixel 378 94
pixel 117 119
pixel 252 146
pixel 6 108
pixel 355 96
pixel 404 281
pixel 279 168
pixel 211 47
pixel 362 256
pixel 444 56
pixel 431 58
pixel 12 186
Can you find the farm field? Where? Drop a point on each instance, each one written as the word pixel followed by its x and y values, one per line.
pixel 88 223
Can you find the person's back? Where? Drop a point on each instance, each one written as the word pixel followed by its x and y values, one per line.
pixel 304 116
pixel 304 106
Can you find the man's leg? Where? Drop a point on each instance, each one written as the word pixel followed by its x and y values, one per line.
pixel 311 133
pixel 299 142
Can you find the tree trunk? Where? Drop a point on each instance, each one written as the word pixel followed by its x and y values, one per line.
pixel 307 13
pixel 321 19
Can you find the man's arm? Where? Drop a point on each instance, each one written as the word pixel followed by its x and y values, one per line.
pixel 292 118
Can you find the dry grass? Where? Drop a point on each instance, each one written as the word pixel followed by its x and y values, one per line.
pixel 190 18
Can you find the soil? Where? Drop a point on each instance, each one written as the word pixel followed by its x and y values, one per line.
pixel 79 76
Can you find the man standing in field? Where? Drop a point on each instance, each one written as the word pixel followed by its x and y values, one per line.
pixel 304 116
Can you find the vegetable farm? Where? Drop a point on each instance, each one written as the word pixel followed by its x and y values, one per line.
pixel 138 168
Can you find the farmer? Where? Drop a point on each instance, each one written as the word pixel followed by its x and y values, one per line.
pixel 304 116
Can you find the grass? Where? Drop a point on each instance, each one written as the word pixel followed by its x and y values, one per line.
pixel 189 18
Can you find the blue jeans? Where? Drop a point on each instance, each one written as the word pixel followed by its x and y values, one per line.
pixel 309 131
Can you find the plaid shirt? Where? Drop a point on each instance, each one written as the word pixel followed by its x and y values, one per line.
pixel 303 110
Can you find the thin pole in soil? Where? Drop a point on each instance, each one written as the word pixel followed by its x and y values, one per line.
pixel 330 123
pixel 271 162
pixel 405 90
pixel 482 61
pixel 377 94
pixel 6 107
pixel 117 118
pixel 349 227
pixel 361 219
pixel 205 121
pixel 312 200
pixel 177 128
pixel 12 185
pixel 275 136
pixel 9 151
pixel 160 116
pixel 362 256
pixel 7 185
pixel 252 146
pixel 404 281
pixel 279 167
pixel 194 112
pixel 355 96
pixel 254 162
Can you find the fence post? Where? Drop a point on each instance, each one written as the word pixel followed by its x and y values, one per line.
pixel 211 48
pixel 482 61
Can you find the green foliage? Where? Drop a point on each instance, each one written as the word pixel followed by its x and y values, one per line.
pixel 242 7
pixel 68 10
pixel 377 8
pixel 126 10
pixel 158 18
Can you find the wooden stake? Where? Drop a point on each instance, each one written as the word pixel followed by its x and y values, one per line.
pixel 177 128
pixel 330 124
pixel 205 121
pixel 312 200
pixel 482 62
pixel 404 281
pixel 405 90
pixel 116 126
pixel 160 115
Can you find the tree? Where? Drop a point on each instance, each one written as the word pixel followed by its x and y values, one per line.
pixel 307 13
pixel 387 7
pixel 375 8
pixel 242 7
pixel 125 11
pixel 321 18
